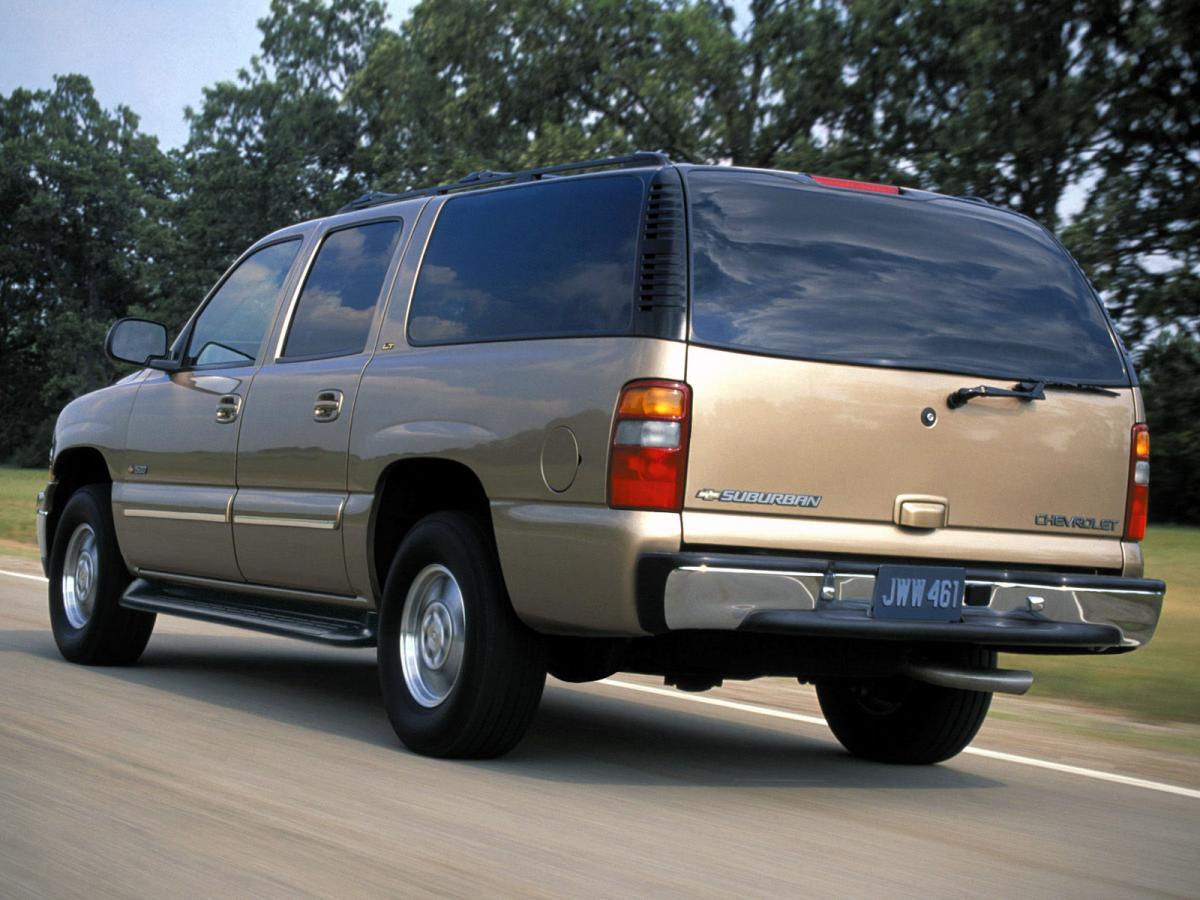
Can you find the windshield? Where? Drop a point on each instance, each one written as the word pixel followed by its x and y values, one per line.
pixel 782 268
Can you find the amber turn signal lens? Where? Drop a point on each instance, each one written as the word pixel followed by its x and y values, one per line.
pixel 1141 443
pixel 653 401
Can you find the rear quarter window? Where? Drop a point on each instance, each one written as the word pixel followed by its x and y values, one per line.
pixel 553 260
pixel 786 269
pixel 333 315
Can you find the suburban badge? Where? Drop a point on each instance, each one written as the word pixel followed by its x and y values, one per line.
pixel 760 498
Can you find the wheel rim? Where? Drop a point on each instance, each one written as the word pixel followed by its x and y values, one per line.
pixel 432 635
pixel 81 576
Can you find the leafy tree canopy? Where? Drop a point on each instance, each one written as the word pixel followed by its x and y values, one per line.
pixel 84 200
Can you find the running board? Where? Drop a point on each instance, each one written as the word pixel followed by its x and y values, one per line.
pixel 325 624
pixel 991 681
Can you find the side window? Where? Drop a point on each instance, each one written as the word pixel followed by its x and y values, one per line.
pixel 333 314
pixel 552 260
pixel 231 327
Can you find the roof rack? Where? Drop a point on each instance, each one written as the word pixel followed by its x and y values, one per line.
pixel 488 178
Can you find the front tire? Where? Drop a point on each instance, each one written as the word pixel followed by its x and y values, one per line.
pixel 461 675
pixel 898 720
pixel 87 579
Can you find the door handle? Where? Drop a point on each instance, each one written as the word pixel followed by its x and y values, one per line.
pixel 228 408
pixel 327 406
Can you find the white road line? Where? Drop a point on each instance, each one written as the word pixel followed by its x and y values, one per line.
pixel 817 720
pixel 973 751
pixel 23 575
pixel 714 701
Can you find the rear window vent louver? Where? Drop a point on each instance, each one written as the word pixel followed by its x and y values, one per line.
pixel 662 276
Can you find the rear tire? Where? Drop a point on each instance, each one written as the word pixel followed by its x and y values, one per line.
pixel 461 675
pixel 898 720
pixel 87 578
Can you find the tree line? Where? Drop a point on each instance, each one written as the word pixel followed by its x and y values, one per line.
pixel 1081 114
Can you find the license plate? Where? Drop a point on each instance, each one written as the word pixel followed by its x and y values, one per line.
pixel 928 593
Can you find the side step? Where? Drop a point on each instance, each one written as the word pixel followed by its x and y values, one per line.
pixel 325 624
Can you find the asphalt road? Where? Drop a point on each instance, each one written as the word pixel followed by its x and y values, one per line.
pixel 228 764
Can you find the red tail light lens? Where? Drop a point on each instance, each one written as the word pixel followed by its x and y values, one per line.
pixel 648 457
pixel 1138 504
pixel 872 186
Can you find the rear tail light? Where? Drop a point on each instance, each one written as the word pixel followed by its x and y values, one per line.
pixel 872 186
pixel 648 458
pixel 1139 484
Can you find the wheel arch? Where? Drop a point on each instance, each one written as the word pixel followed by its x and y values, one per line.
pixel 72 469
pixel 410 489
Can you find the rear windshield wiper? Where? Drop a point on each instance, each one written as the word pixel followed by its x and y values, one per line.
pixel 1076 386
pixel 1027 390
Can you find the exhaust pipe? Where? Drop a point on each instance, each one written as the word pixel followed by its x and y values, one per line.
pixel 990 681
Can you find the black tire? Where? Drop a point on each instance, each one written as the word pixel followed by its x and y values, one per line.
pixel 490 704
pixel 898 720
pixel 109 634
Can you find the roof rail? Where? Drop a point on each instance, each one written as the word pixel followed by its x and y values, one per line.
pixel 488 178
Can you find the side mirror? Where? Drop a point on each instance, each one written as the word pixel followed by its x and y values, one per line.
pixel 136 341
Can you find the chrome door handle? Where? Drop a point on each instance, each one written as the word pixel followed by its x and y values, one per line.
pixel 327 406
pixel 228 408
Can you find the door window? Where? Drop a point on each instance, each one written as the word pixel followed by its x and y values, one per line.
pixel 231 327
pixel 333 315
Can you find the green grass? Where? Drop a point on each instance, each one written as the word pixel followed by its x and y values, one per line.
pixel 18 505
pixel 1158 682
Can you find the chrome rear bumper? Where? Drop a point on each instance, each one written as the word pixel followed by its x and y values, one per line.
pixel 1042 611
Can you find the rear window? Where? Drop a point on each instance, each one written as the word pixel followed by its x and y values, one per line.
pixel 551 260
pixel 790 270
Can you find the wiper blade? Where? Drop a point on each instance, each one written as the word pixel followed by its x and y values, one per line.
pixel 1027 390
pixel 1071 386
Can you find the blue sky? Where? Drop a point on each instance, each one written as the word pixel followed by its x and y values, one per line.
pixel 154 56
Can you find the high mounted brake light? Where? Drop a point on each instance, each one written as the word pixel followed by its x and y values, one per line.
pixel 647 460
pixel 1138 503
pixel 872 186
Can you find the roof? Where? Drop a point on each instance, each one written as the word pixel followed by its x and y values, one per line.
pixel 488 178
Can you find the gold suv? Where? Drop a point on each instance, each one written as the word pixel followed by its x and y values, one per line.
pixel 624 415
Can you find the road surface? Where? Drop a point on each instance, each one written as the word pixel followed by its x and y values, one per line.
pixel 229 764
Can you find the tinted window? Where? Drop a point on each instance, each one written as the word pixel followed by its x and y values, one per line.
pixel 337 303
pixel 791 270
pixel 557 259
pixel 231 327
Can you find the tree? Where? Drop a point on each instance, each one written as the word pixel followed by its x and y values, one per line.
pixel 991 98
pixel 83 204
pixel 465 85
pixel 1139 234
pixel 997 99
pixel 276 146
pixel 1171 382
